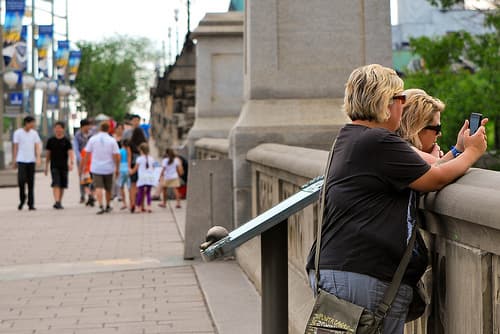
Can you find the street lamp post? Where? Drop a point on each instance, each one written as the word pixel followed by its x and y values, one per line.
pixel 169 45
pixel 42 84
pixel 2 153
pixel 29 84
pixel 10 78
pixel 63 91
pixel 51 88
pixel 176 17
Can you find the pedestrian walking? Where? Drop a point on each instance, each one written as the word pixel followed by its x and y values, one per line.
pixel 146 128
pixel 79 141
pixel 124 178
pixel 134 122
pixel 105 161
pixel 146 179
pixel 59 156
pixel 132 155
pixel 171 171
pixel 118 133
pixel 86 178
pixel 25 156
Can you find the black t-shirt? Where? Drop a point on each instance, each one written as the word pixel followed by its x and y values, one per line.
pixel 58 152
pixel 368 205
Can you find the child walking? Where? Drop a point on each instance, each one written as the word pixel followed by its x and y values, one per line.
pixel 172 170
pixel 124 179
pixel 144 166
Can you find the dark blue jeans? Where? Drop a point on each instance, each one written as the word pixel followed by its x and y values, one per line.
pixel 26 175
pixel 368 292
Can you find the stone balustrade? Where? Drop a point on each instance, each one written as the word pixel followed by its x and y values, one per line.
pixel 212 148
pixel 462 231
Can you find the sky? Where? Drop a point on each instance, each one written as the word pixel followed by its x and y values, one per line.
pixel 93 20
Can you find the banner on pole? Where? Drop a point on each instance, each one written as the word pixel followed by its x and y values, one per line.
pixel 45 36
pixel 62 57
pixel 74 62
pixel 53 99
pixel 14 48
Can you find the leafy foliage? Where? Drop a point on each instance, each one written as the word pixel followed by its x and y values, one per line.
pixel 463 71
pixel 110 74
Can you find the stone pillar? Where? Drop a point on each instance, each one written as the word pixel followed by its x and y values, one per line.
pixel 297 58
pixel 219 76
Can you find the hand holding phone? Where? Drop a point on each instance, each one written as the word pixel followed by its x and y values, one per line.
pixel 475 122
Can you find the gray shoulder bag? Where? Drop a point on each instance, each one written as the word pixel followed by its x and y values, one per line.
pixel 331 314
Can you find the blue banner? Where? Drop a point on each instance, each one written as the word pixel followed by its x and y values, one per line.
pixel 74 62
pixel 14 49
pixel 52 99
pixel 43 43
pixel 16 98
pixel 62 57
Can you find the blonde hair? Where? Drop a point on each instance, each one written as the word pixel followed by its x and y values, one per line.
pixel 418 112
pixel 144 148
pixel 369 91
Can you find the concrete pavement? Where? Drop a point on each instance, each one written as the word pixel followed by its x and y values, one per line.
pixel 72 271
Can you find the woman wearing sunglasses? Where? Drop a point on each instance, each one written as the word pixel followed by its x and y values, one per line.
pixel 421 126
pixel 371 196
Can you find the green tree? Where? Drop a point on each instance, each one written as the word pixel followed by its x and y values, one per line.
pixel 112 73
pixel 464 89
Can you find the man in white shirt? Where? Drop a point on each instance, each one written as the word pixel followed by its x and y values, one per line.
pixel 105 161
pixel 25 154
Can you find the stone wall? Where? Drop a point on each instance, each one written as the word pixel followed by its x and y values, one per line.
pixel 219 76
pixel 212 148
pixel 297 57
pixel 463 233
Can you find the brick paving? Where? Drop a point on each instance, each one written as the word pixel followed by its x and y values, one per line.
pixel 71 271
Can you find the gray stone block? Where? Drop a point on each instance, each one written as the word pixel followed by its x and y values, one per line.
pixel 219 76
pixel 209 202
pixel 8 178
pixel 306 49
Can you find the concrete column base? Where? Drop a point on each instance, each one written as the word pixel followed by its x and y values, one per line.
pixel 309 123
pixel 8 178
pixel 209 127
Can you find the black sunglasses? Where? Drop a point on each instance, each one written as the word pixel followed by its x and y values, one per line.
pixel 436 128
pixel 400 97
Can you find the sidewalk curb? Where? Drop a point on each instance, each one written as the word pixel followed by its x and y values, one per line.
pixel 232 300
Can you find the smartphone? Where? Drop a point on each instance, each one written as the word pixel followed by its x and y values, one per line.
pixel 475 122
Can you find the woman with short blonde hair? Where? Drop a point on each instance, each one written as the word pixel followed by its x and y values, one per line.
pixel 369 90
pixel 371 197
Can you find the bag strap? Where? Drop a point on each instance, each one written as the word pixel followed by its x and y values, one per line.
pixel 392 291
pixel 320 217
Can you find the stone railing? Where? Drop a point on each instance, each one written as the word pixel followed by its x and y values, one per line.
pixel 212 148
pixel 462 231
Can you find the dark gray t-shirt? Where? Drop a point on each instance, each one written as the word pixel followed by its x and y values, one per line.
pixel 368 204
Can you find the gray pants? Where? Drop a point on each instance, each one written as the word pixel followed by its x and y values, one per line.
pixel 81 186
pixel 368 292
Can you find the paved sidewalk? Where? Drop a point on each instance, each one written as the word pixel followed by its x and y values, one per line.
pixel 72 271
